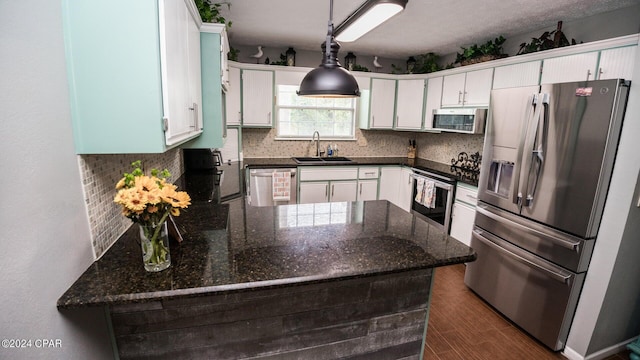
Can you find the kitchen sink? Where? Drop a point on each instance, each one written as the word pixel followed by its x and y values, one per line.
pixel 320 160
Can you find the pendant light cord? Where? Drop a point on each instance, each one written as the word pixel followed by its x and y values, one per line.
pixel 327 53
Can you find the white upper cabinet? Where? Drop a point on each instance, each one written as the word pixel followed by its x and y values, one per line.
pixel 579 67
pixel 434 97
pixel 617 63
pixel 453 89
pixel 383 94
pixel 523 74
pixel 234 114
pixel 467 89
pixel 409 104
pixel 478 87
pixel 134 87
pixel 257 98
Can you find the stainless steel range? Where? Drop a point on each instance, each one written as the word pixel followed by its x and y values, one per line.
pixel 547 162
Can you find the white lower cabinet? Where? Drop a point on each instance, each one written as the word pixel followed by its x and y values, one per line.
pixel 343 190
pixel 463 213
pixel 396 186
pixel 389 180
pixel 367 190
pixel 462 217
pixel 405 190
pixel 313 192
pixel 328 191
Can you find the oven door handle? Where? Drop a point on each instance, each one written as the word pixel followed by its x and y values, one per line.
pixel 496 244
pixel 438 183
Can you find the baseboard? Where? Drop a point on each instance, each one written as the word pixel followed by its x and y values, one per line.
pixel 571 354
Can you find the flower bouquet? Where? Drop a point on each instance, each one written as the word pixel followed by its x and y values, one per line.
pixel 149 201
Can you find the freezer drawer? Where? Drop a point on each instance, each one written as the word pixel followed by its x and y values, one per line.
pixel 568 251
pixel 537 295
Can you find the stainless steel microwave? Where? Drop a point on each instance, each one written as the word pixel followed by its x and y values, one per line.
pixel 465 120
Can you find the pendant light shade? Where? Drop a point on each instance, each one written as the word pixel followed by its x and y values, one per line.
pixel 329 79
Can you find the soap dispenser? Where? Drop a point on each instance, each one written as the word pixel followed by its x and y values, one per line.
pixel 329 150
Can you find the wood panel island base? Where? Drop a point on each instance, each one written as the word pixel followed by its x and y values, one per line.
pixel 377 317
pixel 308 281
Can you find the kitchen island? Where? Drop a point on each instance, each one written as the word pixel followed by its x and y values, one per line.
pixel 329 280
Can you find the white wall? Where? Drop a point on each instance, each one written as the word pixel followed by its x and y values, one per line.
pixel 618 212
pixel 44 241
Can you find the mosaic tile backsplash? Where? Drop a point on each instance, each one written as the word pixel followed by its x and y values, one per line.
pixel 261 143
pixel 100 173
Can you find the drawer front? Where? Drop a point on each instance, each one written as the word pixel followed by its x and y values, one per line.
pixel 467 195
pixel 323 173
pixel 368 172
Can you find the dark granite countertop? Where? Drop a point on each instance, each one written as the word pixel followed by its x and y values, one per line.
pixel 468 177
pixel 233 247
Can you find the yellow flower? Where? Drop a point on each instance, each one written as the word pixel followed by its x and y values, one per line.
pixel 146 183
pixel 175 211
pixel 136 201
pixel 153 196
pixel 120 184
pixel 121 196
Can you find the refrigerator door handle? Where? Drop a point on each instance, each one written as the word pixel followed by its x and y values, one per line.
pixel 571 245
pixel 524 153
pixel 537 154
pixel 496 243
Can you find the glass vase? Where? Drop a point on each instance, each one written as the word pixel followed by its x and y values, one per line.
pixel 154 241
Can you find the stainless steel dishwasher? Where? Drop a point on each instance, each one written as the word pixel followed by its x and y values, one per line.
pixel 261 187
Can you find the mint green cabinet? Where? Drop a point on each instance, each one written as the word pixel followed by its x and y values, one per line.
pixel 213 42
pixel 134 74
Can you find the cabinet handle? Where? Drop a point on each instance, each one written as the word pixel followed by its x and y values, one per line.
pixel 332 189
pixel 600 72
pixel 588 74
pixel 194 108
pixel 361 189
pixel 459 97
pixel 464 98
pixel 269 117
pixel 326 190
pixel 397 119
pixel 370 173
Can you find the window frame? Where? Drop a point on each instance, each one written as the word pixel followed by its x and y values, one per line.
pixel 278 107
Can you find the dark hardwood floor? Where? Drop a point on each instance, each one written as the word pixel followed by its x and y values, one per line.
pixel 463 327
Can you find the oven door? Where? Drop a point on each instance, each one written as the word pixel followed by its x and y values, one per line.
pixel 439 211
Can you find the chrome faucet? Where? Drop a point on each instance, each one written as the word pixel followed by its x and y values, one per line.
pixel 317 143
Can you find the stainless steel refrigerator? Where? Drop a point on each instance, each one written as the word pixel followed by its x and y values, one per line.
pixel 547 161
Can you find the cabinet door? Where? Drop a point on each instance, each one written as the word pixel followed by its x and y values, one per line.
pixel 405 190
pixel 343 191
pixel 194 103
pixel 617 63
pixel 578 67
pixel 313 192
pixel 175 71
pixel 524 74
pixel 367 190
pixel 233 97
pixel 409 104
pixel 257 98
pixel 453 90
pixel 462 219
pixel 434 97
pixel 383 95
pixel 389 180
pixel 477 88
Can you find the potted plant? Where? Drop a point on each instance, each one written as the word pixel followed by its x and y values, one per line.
pixel 210 11
pixel 424 64
pixel 545 42
pixel 490 50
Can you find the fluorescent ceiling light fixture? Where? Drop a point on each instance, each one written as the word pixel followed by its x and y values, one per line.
pixel 367 17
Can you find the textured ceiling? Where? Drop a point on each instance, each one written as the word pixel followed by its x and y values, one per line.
pixel 424 26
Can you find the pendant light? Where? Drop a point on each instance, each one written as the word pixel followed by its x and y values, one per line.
pixel 329 79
